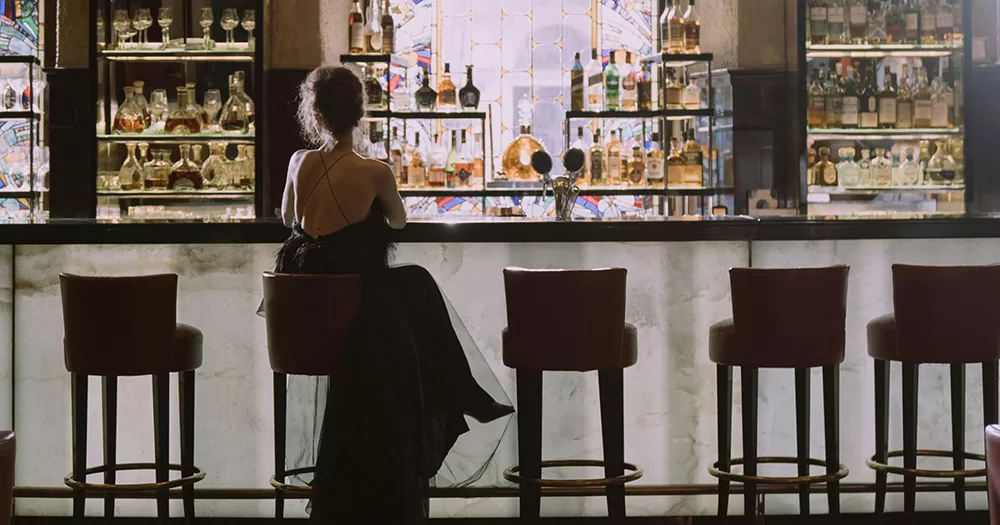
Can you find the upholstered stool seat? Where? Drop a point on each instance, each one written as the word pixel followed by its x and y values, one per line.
pixel 145 340
pixel 8 452
pixel 993 472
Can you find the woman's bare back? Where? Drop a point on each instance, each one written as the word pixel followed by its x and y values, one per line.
pixel 328 190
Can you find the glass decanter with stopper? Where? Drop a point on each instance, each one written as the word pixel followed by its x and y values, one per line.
pixel 156 172
pixel 184 174
pixel 374 94
pixel 140 100
pixel 215 171
pixel 909 172
pixel 469 94
pixel 129 117
pixel 234 119
pixel 824 172
pixel 848 171
pixel 881 169
pixel 250 173
pixel 516 161
pixel 941 167
pixel 425 97
pixel 184 119
pixel 130 174
pixel 239 168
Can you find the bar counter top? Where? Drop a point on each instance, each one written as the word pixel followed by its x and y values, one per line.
pixel 519 230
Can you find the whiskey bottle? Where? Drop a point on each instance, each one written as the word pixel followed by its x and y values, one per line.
pixel 397 152
pixel 848 171
pixel 644 88
pixel 674 92
pixel 817 102
pixel 910 21
pixel 596 165
pixel 612 86
pixel 356 29
pixel 692 29
pixel 426 97
pixel 818 24
pixel 130 174
pixel 374 94
pixel 576 85
pixel 388 31
pixel 416 170
pixel 464 164
pixel 435 168
pixel 878 31
pixel 693 162
pixel 928 21
pixel 857 12
pixel 835 21
pixel 904 101
pixel 824 172
pixel 629 97
pixel 450 178
pixel 922 105
pixel 373 28
pixel 887 114
pixel 595 82
pixel 446 91
pixel 184 174
pixel 945 22
pixel 676 29
pixel 940 112
pixel 183 121
pixel 895 22
pixel 636 167
pixel 869 101
pixel 469 94
pixel 655 162
pixel 477 161
pixel 614 156
pixel 692 95
pixel 835 100
pixel 850 114
pixel 675 164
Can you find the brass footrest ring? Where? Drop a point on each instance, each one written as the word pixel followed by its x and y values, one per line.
pixel 288 487
pixel 133 487
pixel 929 473
pixel 777 480
pixel 634 473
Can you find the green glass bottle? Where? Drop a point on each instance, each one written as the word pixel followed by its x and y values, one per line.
pixel 612 86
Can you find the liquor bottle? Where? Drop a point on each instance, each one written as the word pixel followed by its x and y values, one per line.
pixel 612 86
pixel 451 180
pixel 576 85
pixel 910 22
pixel 435 164
pixel 594 74
pixel 374 94
pixel 477 161
pixel 835 21
pixel 184 175
pixel 516 160
pixel 183 121
pixel 464 164
pixel 848 171
pixel 148 166
pixel 835 100
pixel 129 117
pixel 692 29
pixel 215 170
pixel 130 174
pixel 819 27
pixel 579 143
pixel 895 22
pixel 878 30
pixel 397 152
pixel 941 116
pixel 614 156
pixel 446 91
pixel 469 94
pixel 636 167
pixel 644 88
pixel 377 137
pixel 675 164
pixel 416 170
pixel 239 78
pixel 676 29
pixel 356 29
pixel 140 100
pixel 692 95
pixel 674 92
pixel 196 154
pixel 869 100
pixel 887 109
pixel 945 22
pixel 909 173
pixel 373 28
pixel 824 172
pixel 233 119
pixel 388 30
pixel 922 106
pixel 596 167
pixel 857 23
pixel 928 21
pixel 904 101
pixel 866 167
pixel 655 162
pixel 629 97
pixel 249 177
pixel 817 102
pixel 881 169
pixel 850 108
pixel 426 97
pixel 693 160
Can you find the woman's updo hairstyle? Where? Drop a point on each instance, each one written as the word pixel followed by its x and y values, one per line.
pixel 335 94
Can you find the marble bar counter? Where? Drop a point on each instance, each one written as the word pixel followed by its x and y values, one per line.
pixel 678 287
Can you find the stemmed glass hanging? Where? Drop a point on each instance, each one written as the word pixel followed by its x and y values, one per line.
pixel 229 21
pixel 249 24
pixel 164 20
pixel 206 20
pixel 143 20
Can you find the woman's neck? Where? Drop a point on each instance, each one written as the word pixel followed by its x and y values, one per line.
pixel 343 142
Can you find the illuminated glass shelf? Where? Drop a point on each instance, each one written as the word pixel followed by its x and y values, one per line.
pixel 171 194
pixel 883 134
pixel 668 113
pixel 428 115
pixel 643 190
pixel 871 190
pixel 366 58
pixel 678 59
pixel 883 50
pixel 158 138
pixel 182 52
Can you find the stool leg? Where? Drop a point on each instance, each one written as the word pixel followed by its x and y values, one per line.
pixel 529 440
pixel 831 424
pixel 79 395
pixel 280 420
pixel 724 394
pixel 109 403
pixel 958 430
pixel 748 390
pixel 612 397
pixel 161 441
pixel 881 430
pixel 802 433
pixel 185 387
pixel 990 387
pixel 911 379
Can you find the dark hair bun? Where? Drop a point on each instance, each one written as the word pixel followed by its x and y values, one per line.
pixel 335 94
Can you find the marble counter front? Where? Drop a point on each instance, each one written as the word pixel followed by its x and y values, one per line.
pixel 676 290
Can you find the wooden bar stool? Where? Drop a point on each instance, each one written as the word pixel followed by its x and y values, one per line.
pixel 145 340
pixel 993 472
pixel 945 315
pixel 293 303
pixel 8 448
pixel 782 318
pixel 547 331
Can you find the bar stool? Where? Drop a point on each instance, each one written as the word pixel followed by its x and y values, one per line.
pixel 782 318
pixel 546 331
pixel 145 340
pixel 290 303
pixel 993 472
pixel 8 447
pixel 944 315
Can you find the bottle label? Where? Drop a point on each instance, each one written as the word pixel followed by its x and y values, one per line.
pixel 835 16
pixel 869 120
pixel 939 115
pixel 447 97
pixel 388 39
pixel 830 175
pixel 887 111
pixel 677 36
pixel 922 110
pixel 849 114
pixel 654 169
pixel 357 37
pixel 882 176
pixel 817 13
pixel 415 175
pixel 904 115
pixel 576 90
pixel 693 167
pixel 910 174
pixel 674 96
pixel 397 167
pixel 872 104
pixel 636 173
pixel 817 102
pixel 614 164
pixel 912 22
pixel 596 167
pixel 929 21
pixel 859 15
pixel 945 20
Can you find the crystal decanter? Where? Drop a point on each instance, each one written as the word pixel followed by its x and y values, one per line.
pixel 130 174
pixel 129 117
pixel 184 119
pixel 184 174
pixel 234 119
pixel 215 170
pixel 517 157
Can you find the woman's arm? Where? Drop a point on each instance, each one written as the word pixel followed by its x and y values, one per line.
pixel 288 200
pixel 388 196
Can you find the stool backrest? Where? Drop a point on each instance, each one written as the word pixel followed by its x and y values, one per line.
pixel 947 314
pixel 8 451
pixel 993 472
pixel 308 317
pixel 571 320
pixel 789 318
pixel 118 326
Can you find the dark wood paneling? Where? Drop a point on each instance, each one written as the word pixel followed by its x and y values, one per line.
pixel 283 137
pixel 982 127
pixel 70 120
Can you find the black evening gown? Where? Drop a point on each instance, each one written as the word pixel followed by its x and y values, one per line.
pixel 385 426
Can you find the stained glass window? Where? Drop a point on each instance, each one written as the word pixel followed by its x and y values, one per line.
pixel 19 27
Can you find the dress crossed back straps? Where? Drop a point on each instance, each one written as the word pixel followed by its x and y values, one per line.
pixel 326 176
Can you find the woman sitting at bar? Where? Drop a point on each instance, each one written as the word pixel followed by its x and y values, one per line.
pixel 396 412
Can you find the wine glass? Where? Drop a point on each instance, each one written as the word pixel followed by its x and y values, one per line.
pixel 144 20
pixel 164 20
pixel 158 105
pixel 213 105
pixel 123 27
pixel 206 20
pixel 230 19
pixel 100 29
pixel 249 24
